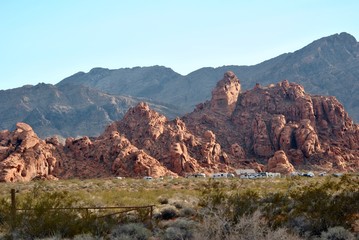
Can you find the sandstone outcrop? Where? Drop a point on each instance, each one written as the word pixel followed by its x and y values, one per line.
pixel 310 130
pixel 108 155
pixel 171 143
pixel 275 128
pixel 23 156
pixel 279 163
pixel 225 94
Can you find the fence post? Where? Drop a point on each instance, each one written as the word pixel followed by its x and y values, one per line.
pixel 13 209
pixel 151 216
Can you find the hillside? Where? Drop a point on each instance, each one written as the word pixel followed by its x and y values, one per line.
pixel 276 128
pixel 65 110
pixel 328 66
pixel 84 103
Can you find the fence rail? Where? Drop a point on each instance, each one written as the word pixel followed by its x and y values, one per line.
pixel 126 209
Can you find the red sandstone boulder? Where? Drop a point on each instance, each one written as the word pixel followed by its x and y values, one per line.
pixel 279 163
pixel 23 156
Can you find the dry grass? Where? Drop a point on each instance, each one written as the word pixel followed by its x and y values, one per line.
pixel 128 192
pixel 182 196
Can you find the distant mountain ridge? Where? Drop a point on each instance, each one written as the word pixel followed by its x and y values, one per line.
pixel 274 128
pixel 65 110
pixel 84 103
pixel 328 66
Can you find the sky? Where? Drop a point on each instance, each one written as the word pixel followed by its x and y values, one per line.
pixel 45 41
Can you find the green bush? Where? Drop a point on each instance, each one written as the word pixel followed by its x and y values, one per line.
pixel 162 200
pixel 243 203
pixel 168 213
pixel 44 214
pixel 326 205
pixel 133 231
pixel 307 208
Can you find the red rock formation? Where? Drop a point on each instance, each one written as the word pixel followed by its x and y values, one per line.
pixel 23 156
pixel 262 145
pixel 312 130
pixel 110 154
pixel 224 96
pixel 279 163
pixel 279 125
pixel 170 142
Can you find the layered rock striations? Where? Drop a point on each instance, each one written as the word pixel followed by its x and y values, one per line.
pixel 273 128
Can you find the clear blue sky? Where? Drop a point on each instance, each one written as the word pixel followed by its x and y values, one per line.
pixel 48 40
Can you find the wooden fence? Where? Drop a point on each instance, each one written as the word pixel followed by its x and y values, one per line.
pixel 120 210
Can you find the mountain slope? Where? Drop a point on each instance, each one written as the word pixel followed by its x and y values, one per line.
pixel 328 66
pixel 277 128
pixel 63 110
pixel 84 103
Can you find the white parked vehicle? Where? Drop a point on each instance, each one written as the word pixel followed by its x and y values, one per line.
pixel 196 175
pixel 147 178
pixel 222 175
pixel 309 174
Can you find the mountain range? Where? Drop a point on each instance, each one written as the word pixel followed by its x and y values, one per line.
pixel 84 103
pixel 274 128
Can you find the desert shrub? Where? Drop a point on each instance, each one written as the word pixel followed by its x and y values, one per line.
pixel 42 222
pixel 325 205
pixel 45 214
pixel 180 229
pixel 4 211
pixel 243 203
pixel 178 205
pixel 162 200
pixel 254 226
pixel 233 204
pixel 307 208
pixel 133 231
pixel 276 207
pixel 337 233
pixel 54 237
pixel 187 212
pixel 86 236
pixel 213 194
pixel 168 213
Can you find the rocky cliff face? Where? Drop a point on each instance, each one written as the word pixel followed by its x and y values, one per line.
pixel 305 129
pixel 275 128
pixel 225 94
pixel 23 156
pixel 170 142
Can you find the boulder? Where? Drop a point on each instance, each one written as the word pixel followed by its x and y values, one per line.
pixel 279 163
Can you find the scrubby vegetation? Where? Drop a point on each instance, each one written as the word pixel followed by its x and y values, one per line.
pixel 288 208
pixel 307 210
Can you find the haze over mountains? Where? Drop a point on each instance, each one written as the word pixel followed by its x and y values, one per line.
pixel 84 103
